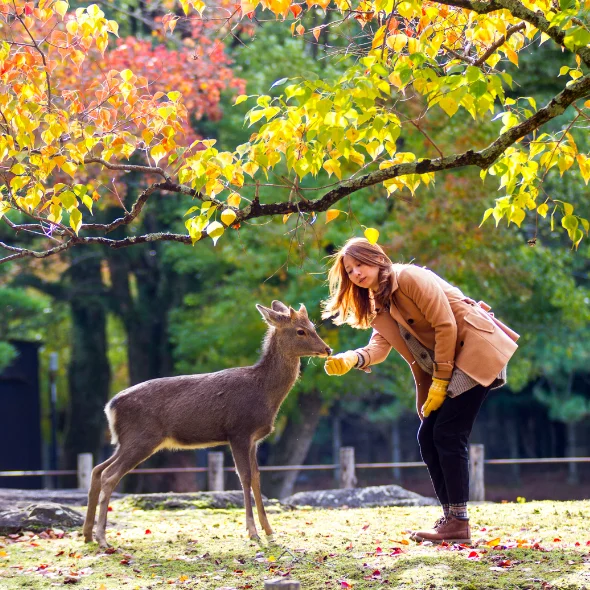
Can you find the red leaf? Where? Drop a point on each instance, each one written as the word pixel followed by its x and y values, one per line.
pixel 295 9
pixel 28 10
pixel 557 540
pixel 473 555
pixel 367 526
pixel 148 532
pixel 344 584
pixel 110 509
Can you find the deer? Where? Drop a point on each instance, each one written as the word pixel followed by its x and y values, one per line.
pixel 236 406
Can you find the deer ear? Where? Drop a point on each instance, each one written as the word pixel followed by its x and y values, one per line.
pixel 270 315
pixel 279 306
pixel 294 315
pixel 303 310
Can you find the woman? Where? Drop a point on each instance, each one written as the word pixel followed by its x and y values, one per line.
pixel 457 352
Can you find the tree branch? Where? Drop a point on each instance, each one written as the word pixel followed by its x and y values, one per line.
pixel 537 19
pixel 482 159
pixel 496 45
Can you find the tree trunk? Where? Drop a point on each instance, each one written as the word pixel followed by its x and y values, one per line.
pixel 293 446
pixel 89 371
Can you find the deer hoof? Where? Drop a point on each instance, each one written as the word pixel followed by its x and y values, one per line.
pixel 87 538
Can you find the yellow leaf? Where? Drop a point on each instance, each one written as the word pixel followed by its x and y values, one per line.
pixel 316 32
pixel 69 168
pixel 331 214
pixel 272 558
pixel 511 55
pixel 448 105
pixel 286 216
pixel 157 152
pixel 228 216
pixel 61 7
pixel 75 220
pixel 542 209
pixel 126 75
pixel 584 164
pixel 372 235
pixel 493 542
pixel 183 578
pixel 215 231
pixel 397 42
pixel 234 200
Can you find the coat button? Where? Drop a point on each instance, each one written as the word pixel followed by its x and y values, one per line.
pixel 407 336
pixel 410 321
pixel 462 343
pixel 423 355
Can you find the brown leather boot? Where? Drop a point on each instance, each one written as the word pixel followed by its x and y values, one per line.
pixel 451 530
pixel 440 521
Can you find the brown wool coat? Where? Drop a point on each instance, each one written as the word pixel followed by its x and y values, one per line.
pixel 460 331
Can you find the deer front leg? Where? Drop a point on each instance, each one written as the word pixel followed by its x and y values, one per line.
pixel 93 494
pixel 241 452
pixel 256 490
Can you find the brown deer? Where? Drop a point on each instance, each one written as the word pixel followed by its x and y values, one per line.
pixel 235 406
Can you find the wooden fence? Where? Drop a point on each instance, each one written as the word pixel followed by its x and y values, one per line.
pixel 346 467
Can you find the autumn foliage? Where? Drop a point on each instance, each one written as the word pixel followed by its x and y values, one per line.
pixel 73 97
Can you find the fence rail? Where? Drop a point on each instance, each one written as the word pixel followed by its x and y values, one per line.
pixel 347 468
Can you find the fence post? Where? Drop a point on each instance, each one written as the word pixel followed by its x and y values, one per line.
pixel 84 471
pixel 281 584
pixel 477 490
pixel 347 470
pixel 215 473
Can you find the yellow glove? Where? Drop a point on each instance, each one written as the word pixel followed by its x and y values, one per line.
pixel 436 396
pixel 340 364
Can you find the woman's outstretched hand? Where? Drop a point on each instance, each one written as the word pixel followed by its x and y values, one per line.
pixel 436 396
pixel 340 364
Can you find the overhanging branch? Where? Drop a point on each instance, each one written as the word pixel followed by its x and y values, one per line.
pixel 482 159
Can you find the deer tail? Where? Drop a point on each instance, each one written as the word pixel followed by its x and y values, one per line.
pixel 111 415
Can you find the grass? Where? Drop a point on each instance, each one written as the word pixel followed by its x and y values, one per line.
pixel 540 545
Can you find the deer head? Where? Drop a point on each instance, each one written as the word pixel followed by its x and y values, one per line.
pixel 296 332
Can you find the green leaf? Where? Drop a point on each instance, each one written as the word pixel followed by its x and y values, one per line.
pixel 280 82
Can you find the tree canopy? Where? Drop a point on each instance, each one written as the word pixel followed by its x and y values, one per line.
pixel 77 114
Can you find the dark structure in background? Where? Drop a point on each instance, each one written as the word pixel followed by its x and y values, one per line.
pixel 20 417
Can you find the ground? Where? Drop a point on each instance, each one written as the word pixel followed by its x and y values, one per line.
pixel 540 545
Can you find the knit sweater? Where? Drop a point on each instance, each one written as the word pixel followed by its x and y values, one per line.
pixel 460 382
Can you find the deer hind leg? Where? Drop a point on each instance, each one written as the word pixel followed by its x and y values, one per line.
pixel 256 490
pixel 241 451
pixel 93 494
pixel 127 458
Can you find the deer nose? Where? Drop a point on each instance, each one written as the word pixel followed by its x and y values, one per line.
pixel 328 350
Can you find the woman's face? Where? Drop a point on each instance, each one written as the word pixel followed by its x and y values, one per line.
pixel 361 274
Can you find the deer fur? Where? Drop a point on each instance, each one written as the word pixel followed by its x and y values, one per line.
pixel 235 406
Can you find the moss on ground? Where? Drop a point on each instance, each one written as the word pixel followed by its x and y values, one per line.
pixel 540 545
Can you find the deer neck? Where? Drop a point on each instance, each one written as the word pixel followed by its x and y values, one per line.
pixel 278 370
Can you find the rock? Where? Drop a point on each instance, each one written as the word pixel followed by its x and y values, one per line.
pixel 391 495
pixel 195 500
pixel 14 498
pixel 39 517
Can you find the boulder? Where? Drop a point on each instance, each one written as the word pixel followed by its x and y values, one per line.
pixel 39 517
pixel 369 497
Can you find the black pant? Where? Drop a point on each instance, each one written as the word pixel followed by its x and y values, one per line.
pixel 443 438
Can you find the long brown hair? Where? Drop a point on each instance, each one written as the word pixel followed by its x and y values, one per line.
pixel 347 303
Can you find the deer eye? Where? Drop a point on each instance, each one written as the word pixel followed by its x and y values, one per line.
pixel 300 332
